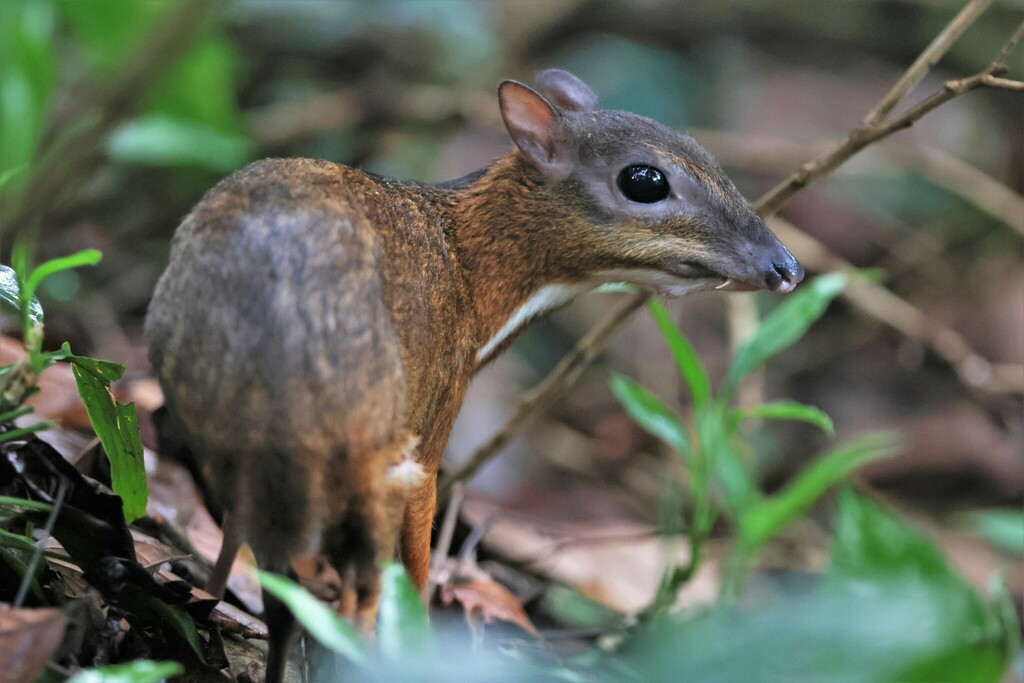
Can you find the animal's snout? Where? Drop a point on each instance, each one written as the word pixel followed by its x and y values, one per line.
pixel 784 274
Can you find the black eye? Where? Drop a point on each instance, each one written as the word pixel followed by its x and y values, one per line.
pixel 644 184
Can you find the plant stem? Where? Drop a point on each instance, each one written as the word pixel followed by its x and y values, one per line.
pixel 24 431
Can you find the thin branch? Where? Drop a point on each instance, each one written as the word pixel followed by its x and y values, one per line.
pixel 864 135
pixel 444 541
pixel 926 60
pixel 587 348
pixel 563 376
pixel 765 154
pixel 1008 46
pixel 889 308
pixel 971 183
pixel 1003 83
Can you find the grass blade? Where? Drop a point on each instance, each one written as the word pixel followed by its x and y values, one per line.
pixel 318 619
pixel 86 257
pixel 762 520
pixel 786 410
pixel 785 325
pixel 683 353
pixel 403 628
pixel 1003 527
pixel 651 414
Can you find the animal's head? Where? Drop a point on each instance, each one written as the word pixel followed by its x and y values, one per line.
pixel 657 207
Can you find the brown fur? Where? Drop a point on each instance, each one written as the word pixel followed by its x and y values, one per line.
pixel 315 320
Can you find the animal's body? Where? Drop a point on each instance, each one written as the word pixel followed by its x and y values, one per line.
pixel 317 326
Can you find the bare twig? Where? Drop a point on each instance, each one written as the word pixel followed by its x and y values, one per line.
pixel 972 184
pixel 767 154
pixel 1003 83
pixel 563 376
pixel 864 135
pixel 569 369
pixel 927 59
pixel 883 305
pixel 444 541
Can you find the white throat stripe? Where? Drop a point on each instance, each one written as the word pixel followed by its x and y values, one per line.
pixel 550 297
pixel 543 300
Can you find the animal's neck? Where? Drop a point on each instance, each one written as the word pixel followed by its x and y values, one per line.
pixel 502 232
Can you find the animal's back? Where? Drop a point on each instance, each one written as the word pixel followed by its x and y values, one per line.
pixel 271 340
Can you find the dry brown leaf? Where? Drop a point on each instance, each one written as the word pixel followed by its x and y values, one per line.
pixel 152 553
pixel 489 600
pixel 617 563
pixel 28 638
pixel 57 559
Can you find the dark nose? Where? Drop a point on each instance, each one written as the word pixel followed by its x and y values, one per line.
pixel 785 274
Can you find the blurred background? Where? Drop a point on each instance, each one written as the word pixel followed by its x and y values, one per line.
pixel 115 117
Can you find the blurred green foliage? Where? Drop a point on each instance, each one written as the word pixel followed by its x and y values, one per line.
pixel 190 118
pixel 140 671
pixel 28 75
pixel 889 608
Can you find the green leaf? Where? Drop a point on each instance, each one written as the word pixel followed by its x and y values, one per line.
pixel 685 357
pixel 764 519
pixel 1004 527
pixel 729 468
pixel 957 635
pixel 18 558
pixel 104 370
pixel 162 141
pixel 180 621
pixel 870 542
pixel 17 541
pixel 116 425
pixel 25 503
pixel 853 631
pixel 651 414
pixel 139 671
pixel 787 410
pixel 14 414
pixel 21 432
pixel 785 325
pixel 128 477
pixel 86 257
pixel 1005 609
pixel 6 176
pixel 318 619
pixel 403 628
pixel 210 67
pixel 573 609
pixel 9 292
pixel 111 30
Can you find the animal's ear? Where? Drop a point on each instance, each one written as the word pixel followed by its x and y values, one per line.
pixel 565 90
pixel 533 124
